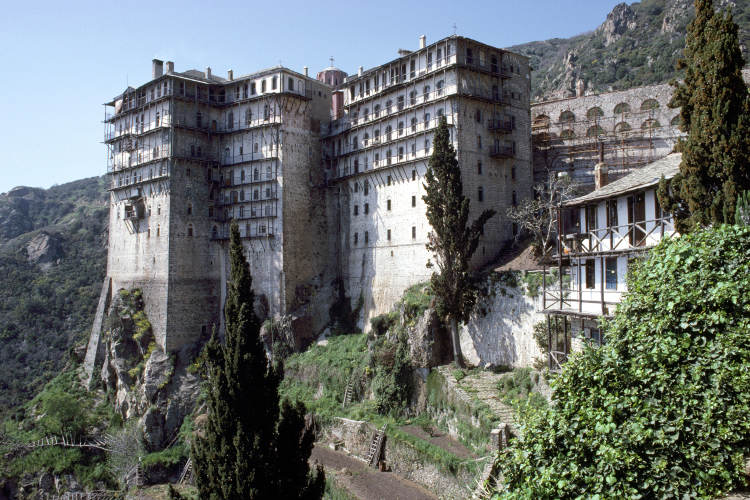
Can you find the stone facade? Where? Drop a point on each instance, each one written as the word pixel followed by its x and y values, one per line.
pixel 376 158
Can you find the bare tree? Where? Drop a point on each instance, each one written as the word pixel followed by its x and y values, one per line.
pixel 538 215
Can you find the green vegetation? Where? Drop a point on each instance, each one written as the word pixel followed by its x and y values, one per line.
pixel 63 407
pixel 517 389
pixel 251 446
pixel 44 313
pixel 715 112
pixel 660 411
pixel 392 384
pixel 452 240
pixel 644 54
pixel 335 492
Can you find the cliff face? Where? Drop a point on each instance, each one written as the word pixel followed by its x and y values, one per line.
pixel 637 44
pixel 52 260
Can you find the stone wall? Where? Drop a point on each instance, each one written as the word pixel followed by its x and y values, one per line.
pixel 500 331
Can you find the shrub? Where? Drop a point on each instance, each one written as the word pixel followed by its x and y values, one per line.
pixel 660 411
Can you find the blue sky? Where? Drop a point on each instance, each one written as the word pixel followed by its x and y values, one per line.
pixel 61 60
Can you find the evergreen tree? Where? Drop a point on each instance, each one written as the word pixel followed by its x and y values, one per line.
pixel 451 240
pixel 715 113
pixel 245 450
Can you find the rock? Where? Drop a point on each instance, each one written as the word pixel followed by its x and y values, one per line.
pixel 621 19
pixel 157 373
pixel 47 482
pixel 429 342
pixel 44 248
pixel 152 423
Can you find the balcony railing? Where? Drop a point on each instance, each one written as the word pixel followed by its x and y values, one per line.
pixel 633 236
pixel 502 152
pixel 498 125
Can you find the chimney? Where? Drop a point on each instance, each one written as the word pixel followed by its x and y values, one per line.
pixel 422 42
pixel 208 73
pixel 360 70
pixel 157 67
pixel 305 68
pixel 230 75
pixel 600 175
pixel 170 67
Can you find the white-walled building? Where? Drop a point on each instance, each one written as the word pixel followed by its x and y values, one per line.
pixel 602 232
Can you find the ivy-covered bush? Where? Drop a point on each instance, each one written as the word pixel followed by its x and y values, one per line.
pixel 662 410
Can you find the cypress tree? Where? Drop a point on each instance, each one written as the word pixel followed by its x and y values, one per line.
pixel 715 113
pixel 245 451
pixel 451 240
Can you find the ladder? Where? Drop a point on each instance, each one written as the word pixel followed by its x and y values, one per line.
pixel 376 447
pixel 348 393
pixel 187 472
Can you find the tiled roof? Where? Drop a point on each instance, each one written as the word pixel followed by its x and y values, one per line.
pixel 646 176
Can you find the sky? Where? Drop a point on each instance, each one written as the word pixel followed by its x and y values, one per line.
pixel 59 61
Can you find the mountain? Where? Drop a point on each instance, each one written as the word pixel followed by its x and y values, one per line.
pixel 638 44
pixel 52 263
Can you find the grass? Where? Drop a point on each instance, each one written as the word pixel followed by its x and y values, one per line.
pixel 518 388
pixel 335 492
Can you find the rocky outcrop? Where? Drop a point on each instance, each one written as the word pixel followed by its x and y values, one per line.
pixel 620 20
pixel 429 343
pixel 146 384
pixel 44 249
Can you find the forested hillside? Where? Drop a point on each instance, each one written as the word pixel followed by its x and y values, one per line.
pixel 52 263
pixel 638 44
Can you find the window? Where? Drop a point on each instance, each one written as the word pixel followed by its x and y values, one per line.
pixel 290 84
pixel 190 231
pixel 356 165
pixel 412 68
pixel 514 199
pixel 414 232
pixel 480 194
pixel 366 208
pixel 513 172
pixel 266 112
pixel 356 238
pixel 356 187
pixel 367 188
pixel 413 149
pixel 429 61
pixel 611 273
pixel 590 274
pixel 493 64
pixel 273 82
pixel 479 168
pixel 244 91
pixel 591 223
pixel 388 204
pixel 388 131
pixel 478 115
pixel 252 88
pixel 355 142
pixel 190 209
pixel 426 120
pixel 388 180
pixel 388 157
pixel 413 201
pixel 401 153
pixel 230 120
pixel 413 97
pixel 262 86
pixel 158 230
pixel 268 192
pixel 413 124
pixel 367 113
pixel 439 87
pixel 376 110
pixel 427 146
pixel 367 237
pixel 248 116
pixel 426 92
pixel 256 194
pixel 198 119
pixel 389 235
pixel 366 139
pixel 469 56
pixel 400 102
pixel 400 128
pixel 612 213
pixel 376 135
pixel 479 142
pixel 356 209
pixel 255 147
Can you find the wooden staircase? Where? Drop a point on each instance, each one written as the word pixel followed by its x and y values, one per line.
pixel 348 393
pixel 376 447
pixel 187 472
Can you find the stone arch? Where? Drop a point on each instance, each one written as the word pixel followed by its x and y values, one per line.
pixel 567 134
pixel 650 124
pixel 594 113
pixel 567 116
pixel 622 127
pixel 621 108
pixel 594 131
pixel 649 104
pixel 676 121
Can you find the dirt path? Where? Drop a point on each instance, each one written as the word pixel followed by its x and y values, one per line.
pixel 366 483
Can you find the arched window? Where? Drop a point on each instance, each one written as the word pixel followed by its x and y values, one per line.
pixel 198 119
pixel 256 174
pixel 388 131
pixel 400 128
pixel 355 142
pixel 622 127
pixel 226 154
pixel 567 116
pixel 594 131
pixel 290 84
pixel 401 153
pixel 413 97
pixel 248 116
pixel 376 135
pixel 650 124
pixel 255 147
pixel 649 104
pixel 426 92
pixel 266 112
pixel 439 86
pixel 214 232
pixel 621 108
pixel 158 230
pixel 157 119
pixel 268 172
pixel 493 64
pixel 230 120
pixel 567 134
pixel 388 155
pixel 376 110
pixel 426 120
pixel 594 113
pixel 262 86
pixel 274 83
pixel 413 124
pixel 388 105
pixel 366 139
pixel 190 209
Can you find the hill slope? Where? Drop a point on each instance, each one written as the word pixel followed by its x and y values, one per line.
pixel 52 262
pixel 636 45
